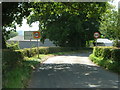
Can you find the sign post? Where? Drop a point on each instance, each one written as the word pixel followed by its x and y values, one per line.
pixel 36 35
pixel 96 35
pixel 29 35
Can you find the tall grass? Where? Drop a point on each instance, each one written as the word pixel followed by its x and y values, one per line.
pixel 18 77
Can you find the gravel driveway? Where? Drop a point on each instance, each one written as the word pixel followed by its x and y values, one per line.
pixel 72 71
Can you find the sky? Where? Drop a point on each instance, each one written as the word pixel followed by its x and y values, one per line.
pixel 115 3
pixel 25 26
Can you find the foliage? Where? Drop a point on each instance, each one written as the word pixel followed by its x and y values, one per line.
pixel 109 24
pixel 116 43
pixel 111 53
pixel 30 52
pixel 15 69
pixel 19 76
pixel 107 57
pixel 12 34
pixel 67 24
pixel 13 45
pixel 106 63
pixel 12 14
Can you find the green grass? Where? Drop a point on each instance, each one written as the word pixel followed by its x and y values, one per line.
pixel 16 78
pixel 19 76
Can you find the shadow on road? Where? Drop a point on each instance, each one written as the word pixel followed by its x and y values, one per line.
pixel 78 54
pixel 72 76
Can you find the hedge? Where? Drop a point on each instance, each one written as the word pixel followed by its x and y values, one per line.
pixel 111 53
pixel 14 57
pixel 108 57
pixel 13 45
pixel 29 52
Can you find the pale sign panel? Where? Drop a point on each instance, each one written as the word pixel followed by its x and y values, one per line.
pixel 31 35
pixel 28 35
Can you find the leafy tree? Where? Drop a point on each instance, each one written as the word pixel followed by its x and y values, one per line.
pixel 12 14
pixel 109 25
pixel 65 23
pixel 68 24
pixel 12 34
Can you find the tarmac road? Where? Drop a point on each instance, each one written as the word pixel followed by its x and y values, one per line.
pixel 72 71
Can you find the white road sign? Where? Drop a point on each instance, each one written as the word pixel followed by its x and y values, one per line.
pixel 96 35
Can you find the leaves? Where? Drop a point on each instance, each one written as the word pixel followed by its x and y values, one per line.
pixel 65 23
pixel 109 24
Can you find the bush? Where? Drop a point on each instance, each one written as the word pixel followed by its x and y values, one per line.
pixel 116 43
pixel 115 54
pixel 29 52
pixel 13 46
pixel 106 54
pixel 10 59
pixel 107 57
pixel 15 70
pixel 108 64
pixel 111 53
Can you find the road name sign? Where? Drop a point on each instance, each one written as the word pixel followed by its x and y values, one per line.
pixel 96 35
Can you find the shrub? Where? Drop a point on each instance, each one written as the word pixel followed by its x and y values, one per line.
pixel 116 43
pixel 43 50
pixel 10 59
pixel 13 46
pixel 111 53
pixel 15 70
pixel 106 54
pixel 98 51
pixel 115 54
pixel 108 57
pixel 108 64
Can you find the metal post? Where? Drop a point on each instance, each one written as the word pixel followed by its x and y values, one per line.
pixel 38 47
pixel 96 41
pixel 30 45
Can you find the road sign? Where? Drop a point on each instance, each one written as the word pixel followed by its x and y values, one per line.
pixel 96 34
pixel 36 35
pixel 28 35
pixel 31 35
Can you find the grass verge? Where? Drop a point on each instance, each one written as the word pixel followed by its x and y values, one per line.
pixel 19 76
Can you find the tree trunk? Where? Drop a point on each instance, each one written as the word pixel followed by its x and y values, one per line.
pixel 3 43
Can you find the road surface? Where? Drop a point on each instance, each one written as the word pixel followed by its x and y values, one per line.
pixel 72 71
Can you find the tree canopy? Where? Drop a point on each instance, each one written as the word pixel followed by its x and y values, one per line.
pixel 12 14
pixel 109 25
pixel 65 23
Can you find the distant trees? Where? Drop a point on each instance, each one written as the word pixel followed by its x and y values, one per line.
pixel 11 35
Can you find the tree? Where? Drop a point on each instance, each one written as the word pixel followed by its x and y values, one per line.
pixel 11 35
pixel 12 14
pixel 109 25
pixel 74 21
pixel 68 24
